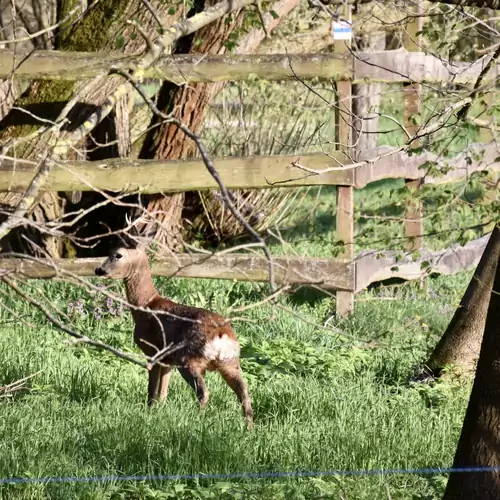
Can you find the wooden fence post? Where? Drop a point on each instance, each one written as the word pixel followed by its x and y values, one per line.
pixel 345 194
pixel 414 225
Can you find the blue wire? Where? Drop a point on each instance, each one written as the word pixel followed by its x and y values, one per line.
pixel 246 475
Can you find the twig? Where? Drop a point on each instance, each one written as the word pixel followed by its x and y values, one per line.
pixel 161 46
pixel 212 170
pixel 17 384
pixel 28 198
pixel 433 127
pixel 70 331
pixel 153 12
pixel 462 114
pixel 270 298
pixel 262 20
pixel 144 35
pixel 336 331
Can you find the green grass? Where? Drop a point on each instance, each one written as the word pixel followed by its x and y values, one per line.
pixel 450 217
pixel 322 401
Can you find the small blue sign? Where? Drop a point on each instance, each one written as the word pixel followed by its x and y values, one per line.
pixel 341 30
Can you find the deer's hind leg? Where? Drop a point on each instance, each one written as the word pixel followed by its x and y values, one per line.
pixel 233 376
pixel 193 375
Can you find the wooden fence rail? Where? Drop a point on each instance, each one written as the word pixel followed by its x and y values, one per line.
pixel 257 172
pixel 369 266
pixel 390 66
pixel 335 274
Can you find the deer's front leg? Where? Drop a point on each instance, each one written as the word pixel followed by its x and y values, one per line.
pixel 166 373
pixel 154 384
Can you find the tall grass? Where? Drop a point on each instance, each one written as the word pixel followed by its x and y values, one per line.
pixel 322 401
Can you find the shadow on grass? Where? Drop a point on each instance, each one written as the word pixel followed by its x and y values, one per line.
pixel 320 224
pixel 307 295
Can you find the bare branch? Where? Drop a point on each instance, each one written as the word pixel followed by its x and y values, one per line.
pixel 462 114
pixel 28 199
pixel 213 172
pixel 73 333
pixel 162 45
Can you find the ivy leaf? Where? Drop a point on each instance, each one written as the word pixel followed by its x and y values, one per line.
pixel 119 42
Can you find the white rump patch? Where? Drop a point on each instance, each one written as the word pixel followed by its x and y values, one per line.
pixel 221 349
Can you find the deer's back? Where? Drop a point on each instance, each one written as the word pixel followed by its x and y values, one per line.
pixel 202 334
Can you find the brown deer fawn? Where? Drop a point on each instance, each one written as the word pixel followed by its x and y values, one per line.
pixel 201 340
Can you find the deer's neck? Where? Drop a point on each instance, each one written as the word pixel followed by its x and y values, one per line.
pixel 140 288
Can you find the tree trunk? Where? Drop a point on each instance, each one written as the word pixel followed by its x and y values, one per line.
pixel 99 29
pixel 461 342
pixel 479 444
pixel 189 104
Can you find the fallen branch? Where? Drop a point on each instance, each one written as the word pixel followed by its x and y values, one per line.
pixel 17 385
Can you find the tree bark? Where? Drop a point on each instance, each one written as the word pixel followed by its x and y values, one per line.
pixel 189 105
pixel 98 30
pixel 461 342
pixel 479 444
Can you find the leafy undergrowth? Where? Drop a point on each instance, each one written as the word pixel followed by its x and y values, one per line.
pixel 334 398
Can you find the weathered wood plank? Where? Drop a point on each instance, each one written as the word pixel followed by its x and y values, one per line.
pixel 192 68
pixel 373 266
pixel 170 176
pixel 151 176
pixel 335 274
pixel 386 66
pixel 477 157
pixel 393 66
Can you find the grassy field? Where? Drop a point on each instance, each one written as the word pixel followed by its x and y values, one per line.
pixel 322 400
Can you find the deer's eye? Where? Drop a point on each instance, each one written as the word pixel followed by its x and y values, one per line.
pixel 118 256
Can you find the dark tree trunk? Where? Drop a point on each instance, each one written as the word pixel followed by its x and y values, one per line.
pixel 189 104
pixel 479 443
pixel 461 342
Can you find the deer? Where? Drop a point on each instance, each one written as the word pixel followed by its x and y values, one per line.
pixel 198 340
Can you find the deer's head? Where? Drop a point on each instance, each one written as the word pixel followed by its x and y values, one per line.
pixel 123 262
pixel 126 259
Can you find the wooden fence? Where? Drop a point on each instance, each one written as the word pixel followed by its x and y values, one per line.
pixel 389 66
pixel 348 274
